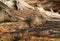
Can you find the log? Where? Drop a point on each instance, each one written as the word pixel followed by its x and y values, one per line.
pixel 9 3
pixel 13 27
pixel 23 5
pixel 49 15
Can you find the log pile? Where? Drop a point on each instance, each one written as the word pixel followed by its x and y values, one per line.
pixel 39 20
